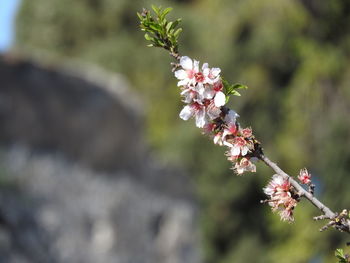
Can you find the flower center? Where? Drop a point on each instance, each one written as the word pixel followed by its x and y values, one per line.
pixel 217 86
pixel 199 77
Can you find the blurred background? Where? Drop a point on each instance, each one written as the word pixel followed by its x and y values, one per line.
pixel 96 166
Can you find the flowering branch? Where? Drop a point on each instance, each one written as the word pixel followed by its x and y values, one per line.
pixel 340 222
pixel 205 94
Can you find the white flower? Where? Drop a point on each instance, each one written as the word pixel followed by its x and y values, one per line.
pixel 215 91
pixel 202 113
pixel 211 75
pixel 188 73
pixel 196 110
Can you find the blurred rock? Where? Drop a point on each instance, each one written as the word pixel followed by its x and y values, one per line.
pixel 77 182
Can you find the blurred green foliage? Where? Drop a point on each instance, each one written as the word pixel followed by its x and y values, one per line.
pixel 294 56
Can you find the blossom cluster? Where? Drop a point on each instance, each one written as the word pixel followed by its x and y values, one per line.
pixel 204 96
pixel 281 197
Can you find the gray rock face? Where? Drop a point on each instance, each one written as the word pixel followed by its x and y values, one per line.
pixel 77 183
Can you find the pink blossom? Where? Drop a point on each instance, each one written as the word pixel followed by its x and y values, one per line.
pixel 247 132
pixel 215 91
pixel 239 146
pixel 304 176
pixel 277 185
pixel 191 75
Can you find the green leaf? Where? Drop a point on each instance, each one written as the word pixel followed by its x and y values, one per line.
pixel 176 23
pixel 232 89
pixel 177 32
pixel 234 93
pixel 155 27
pixel 339 253
pixel 168 26
pixel 164 13
pixel 239 86
pixel 156 9
pixel 147 37
pixel 167 11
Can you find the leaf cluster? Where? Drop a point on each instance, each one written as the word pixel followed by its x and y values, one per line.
pixel 159 31
pixel 342 258
pixel 231 89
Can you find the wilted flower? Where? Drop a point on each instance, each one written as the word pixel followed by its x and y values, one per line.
pixel 244 165
pixel 281 199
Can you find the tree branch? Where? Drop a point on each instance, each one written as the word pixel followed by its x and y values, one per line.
pixel 341 223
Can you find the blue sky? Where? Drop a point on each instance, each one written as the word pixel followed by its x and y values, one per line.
pixel 8 10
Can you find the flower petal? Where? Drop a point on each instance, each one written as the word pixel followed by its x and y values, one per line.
pixel 183 82
pixel 180 74
pixel 235 151
pixel 205 67
pixel 230 118
pixel 215 72
pixel 200 119
pixel 186 62
pixel 195 66
pixel 220 99
pixel 208 93
pixel 186 112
